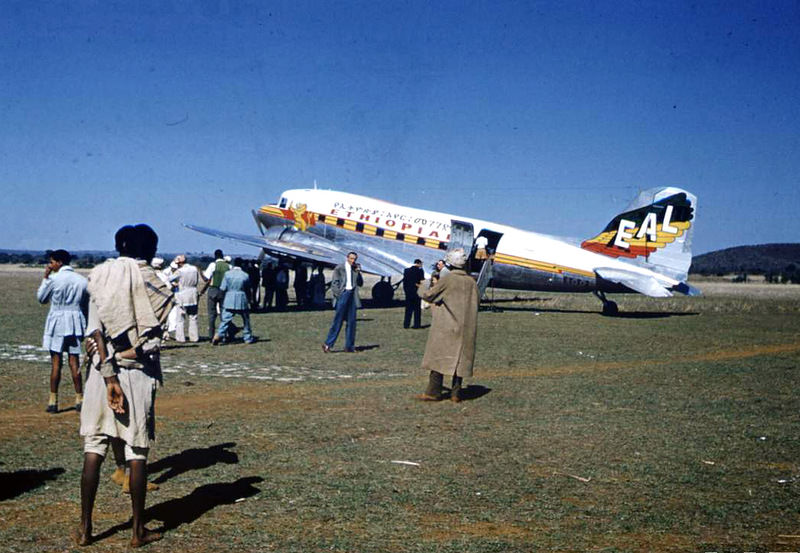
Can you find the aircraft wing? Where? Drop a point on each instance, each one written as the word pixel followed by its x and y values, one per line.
pixel 314 249
pixel 643 284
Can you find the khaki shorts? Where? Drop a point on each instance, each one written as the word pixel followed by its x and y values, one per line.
pixel 99 444
pixel 69 344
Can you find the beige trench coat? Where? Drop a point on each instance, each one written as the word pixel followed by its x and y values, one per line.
pixel 451 342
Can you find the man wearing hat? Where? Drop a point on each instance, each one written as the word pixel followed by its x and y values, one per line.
pixel 187 277
pixel 450 349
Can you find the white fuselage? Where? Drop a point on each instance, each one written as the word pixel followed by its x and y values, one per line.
pixel 523 259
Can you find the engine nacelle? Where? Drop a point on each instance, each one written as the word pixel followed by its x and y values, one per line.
pixel 291 234
pixel 382 293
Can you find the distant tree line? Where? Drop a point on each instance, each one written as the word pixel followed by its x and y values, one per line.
pixel 790 274
pixel 34 259
pixel 23 258
pixel 83 260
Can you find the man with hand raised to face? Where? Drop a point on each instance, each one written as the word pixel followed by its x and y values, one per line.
pixel 344 286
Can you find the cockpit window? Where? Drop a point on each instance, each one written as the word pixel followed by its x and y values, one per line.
pixel 282 203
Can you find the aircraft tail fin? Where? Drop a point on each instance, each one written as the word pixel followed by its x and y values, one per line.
pixel 655 231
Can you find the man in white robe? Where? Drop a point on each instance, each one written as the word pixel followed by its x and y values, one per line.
pixel 128 306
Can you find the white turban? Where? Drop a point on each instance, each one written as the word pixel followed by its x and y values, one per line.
pixel 157 263
pixel 456 258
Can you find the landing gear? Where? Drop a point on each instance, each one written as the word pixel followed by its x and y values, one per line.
pixel 382 293
pixel 610 308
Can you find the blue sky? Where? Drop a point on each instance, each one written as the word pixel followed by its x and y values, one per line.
pixel 549 116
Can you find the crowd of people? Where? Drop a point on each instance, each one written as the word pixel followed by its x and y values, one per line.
pixel 130 304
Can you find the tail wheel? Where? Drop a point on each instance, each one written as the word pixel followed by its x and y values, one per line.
pixel 610 309
pixel 382 293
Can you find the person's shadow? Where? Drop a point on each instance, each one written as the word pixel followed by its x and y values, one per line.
pixel 18 482
pixel 192 459
pixel 185 510
pixel 367 348
pixel 468 393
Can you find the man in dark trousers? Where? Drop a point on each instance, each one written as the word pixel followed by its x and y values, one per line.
pixel 254 276
pixel 412 276
pixel 268 280
pixel 281 287
pixel 214 274
pixel 344 285
pixel 300 283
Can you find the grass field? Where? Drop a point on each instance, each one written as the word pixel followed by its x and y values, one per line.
pixel 675 427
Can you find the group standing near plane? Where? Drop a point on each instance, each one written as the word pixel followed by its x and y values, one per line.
pixel 646 249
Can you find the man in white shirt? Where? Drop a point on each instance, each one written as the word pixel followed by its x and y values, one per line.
pixel 188 278
pixel 481 242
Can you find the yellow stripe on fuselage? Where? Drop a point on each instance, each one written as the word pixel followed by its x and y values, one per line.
pixel 538 265
pixel 274 211
pixel 371 230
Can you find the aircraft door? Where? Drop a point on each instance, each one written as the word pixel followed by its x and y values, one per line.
pixel 482 260
pixel 461 236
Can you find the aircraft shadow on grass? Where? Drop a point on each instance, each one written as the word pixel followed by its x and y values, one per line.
pixel 494 307
pixel 185 510
pixel 18 482
pixel 366 303
pixel 192 459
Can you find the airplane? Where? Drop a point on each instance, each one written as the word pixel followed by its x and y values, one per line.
pixel 644 249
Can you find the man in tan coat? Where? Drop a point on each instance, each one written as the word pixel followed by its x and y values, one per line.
pixel 451 343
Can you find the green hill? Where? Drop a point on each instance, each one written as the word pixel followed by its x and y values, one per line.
pixel 760 259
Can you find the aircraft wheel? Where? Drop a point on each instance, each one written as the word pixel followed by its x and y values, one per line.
pixel 382 293
pixel 610 309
